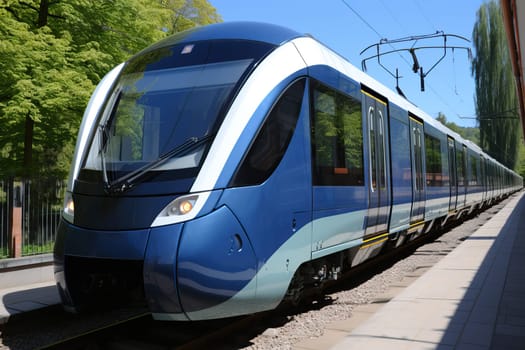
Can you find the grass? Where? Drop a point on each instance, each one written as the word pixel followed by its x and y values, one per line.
pixel 32 249
pixel 29 249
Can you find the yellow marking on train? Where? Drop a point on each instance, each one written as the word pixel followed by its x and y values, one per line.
pixel 373 243
pixel 415 120
pixel 375 237
pixel 374 97
pixel 415 224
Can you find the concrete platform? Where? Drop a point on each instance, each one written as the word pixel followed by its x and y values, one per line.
pixel 473 299
pixel 26 284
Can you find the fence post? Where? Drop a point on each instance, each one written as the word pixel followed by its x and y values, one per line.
pixel 16 220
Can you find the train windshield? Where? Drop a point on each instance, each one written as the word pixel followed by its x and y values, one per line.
pixel 165 109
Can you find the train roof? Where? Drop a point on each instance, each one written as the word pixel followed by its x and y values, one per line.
pixel 256 31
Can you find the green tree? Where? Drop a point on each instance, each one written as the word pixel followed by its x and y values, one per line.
pixel 520 166
pixel 186 14
pixel 53 55
pixel 42 95
pixel 471 134
pixel 496 101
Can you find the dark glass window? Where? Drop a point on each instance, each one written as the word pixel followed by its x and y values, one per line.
pixel 337 138
pixel 166 107
pixel 417 144
pixel 451 163
pixel 473 162
pixel 460 163
pixel 433 161
pixel 373 152
pixel 401 166
pixel 272 139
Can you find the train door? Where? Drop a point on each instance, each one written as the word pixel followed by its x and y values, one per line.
pixel 418 185
pixel 379 181
pixel 461 166
pixel 452 172
pixel 483 180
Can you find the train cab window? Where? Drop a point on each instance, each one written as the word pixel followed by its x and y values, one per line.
pixel 272 139
pixel 337 138
pixel 433 161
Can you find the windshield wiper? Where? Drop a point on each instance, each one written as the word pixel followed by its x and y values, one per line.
pixel 103 137
pixel 127 181
pixel 103 144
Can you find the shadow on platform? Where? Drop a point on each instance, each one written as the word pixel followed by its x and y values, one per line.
pixel 30 298
pixel 491 314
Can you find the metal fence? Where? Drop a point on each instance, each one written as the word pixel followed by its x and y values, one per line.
pixel 29 215
pixel 5 219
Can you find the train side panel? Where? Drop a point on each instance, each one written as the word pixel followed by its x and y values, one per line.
pixel 338 166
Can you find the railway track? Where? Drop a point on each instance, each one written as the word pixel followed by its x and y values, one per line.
pixel 143 332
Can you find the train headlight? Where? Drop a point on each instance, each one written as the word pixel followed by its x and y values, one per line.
pixel 186 206
pixel 69 208
pixel 181 209
pixel 181 206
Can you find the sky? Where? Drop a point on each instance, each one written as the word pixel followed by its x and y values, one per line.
pixel 350 26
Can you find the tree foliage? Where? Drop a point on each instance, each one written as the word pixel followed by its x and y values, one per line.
pixel 54 52
pixel 467 133
pixel 338 133
pixel 496 100
pixel 520 166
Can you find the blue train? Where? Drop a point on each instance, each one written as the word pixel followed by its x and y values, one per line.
pixel 231 167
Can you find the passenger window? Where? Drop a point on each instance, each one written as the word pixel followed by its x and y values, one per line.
pixel 434 164
pixel 461 166
pixel 337 138
pixel 272 139
pixel 473 181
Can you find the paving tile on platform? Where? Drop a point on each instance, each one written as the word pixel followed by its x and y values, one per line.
pixel 442 284
pixel 508 342
pixel 477 334
pixel 448 336
pixel 329 338
pixel 356 342
pixel 484 315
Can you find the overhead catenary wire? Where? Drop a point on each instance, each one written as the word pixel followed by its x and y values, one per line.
pixel 433 26
pixel 417 68
pixel 429 21
pixel 362 19
pixel 381 37
pixel 387 8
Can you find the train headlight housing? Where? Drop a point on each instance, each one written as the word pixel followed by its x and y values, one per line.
pixel 181 209
pixel 69 208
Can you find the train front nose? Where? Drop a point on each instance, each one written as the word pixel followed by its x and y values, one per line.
pixel 99 268
pixel 199 269
pixel 203 268
pixel 160 270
